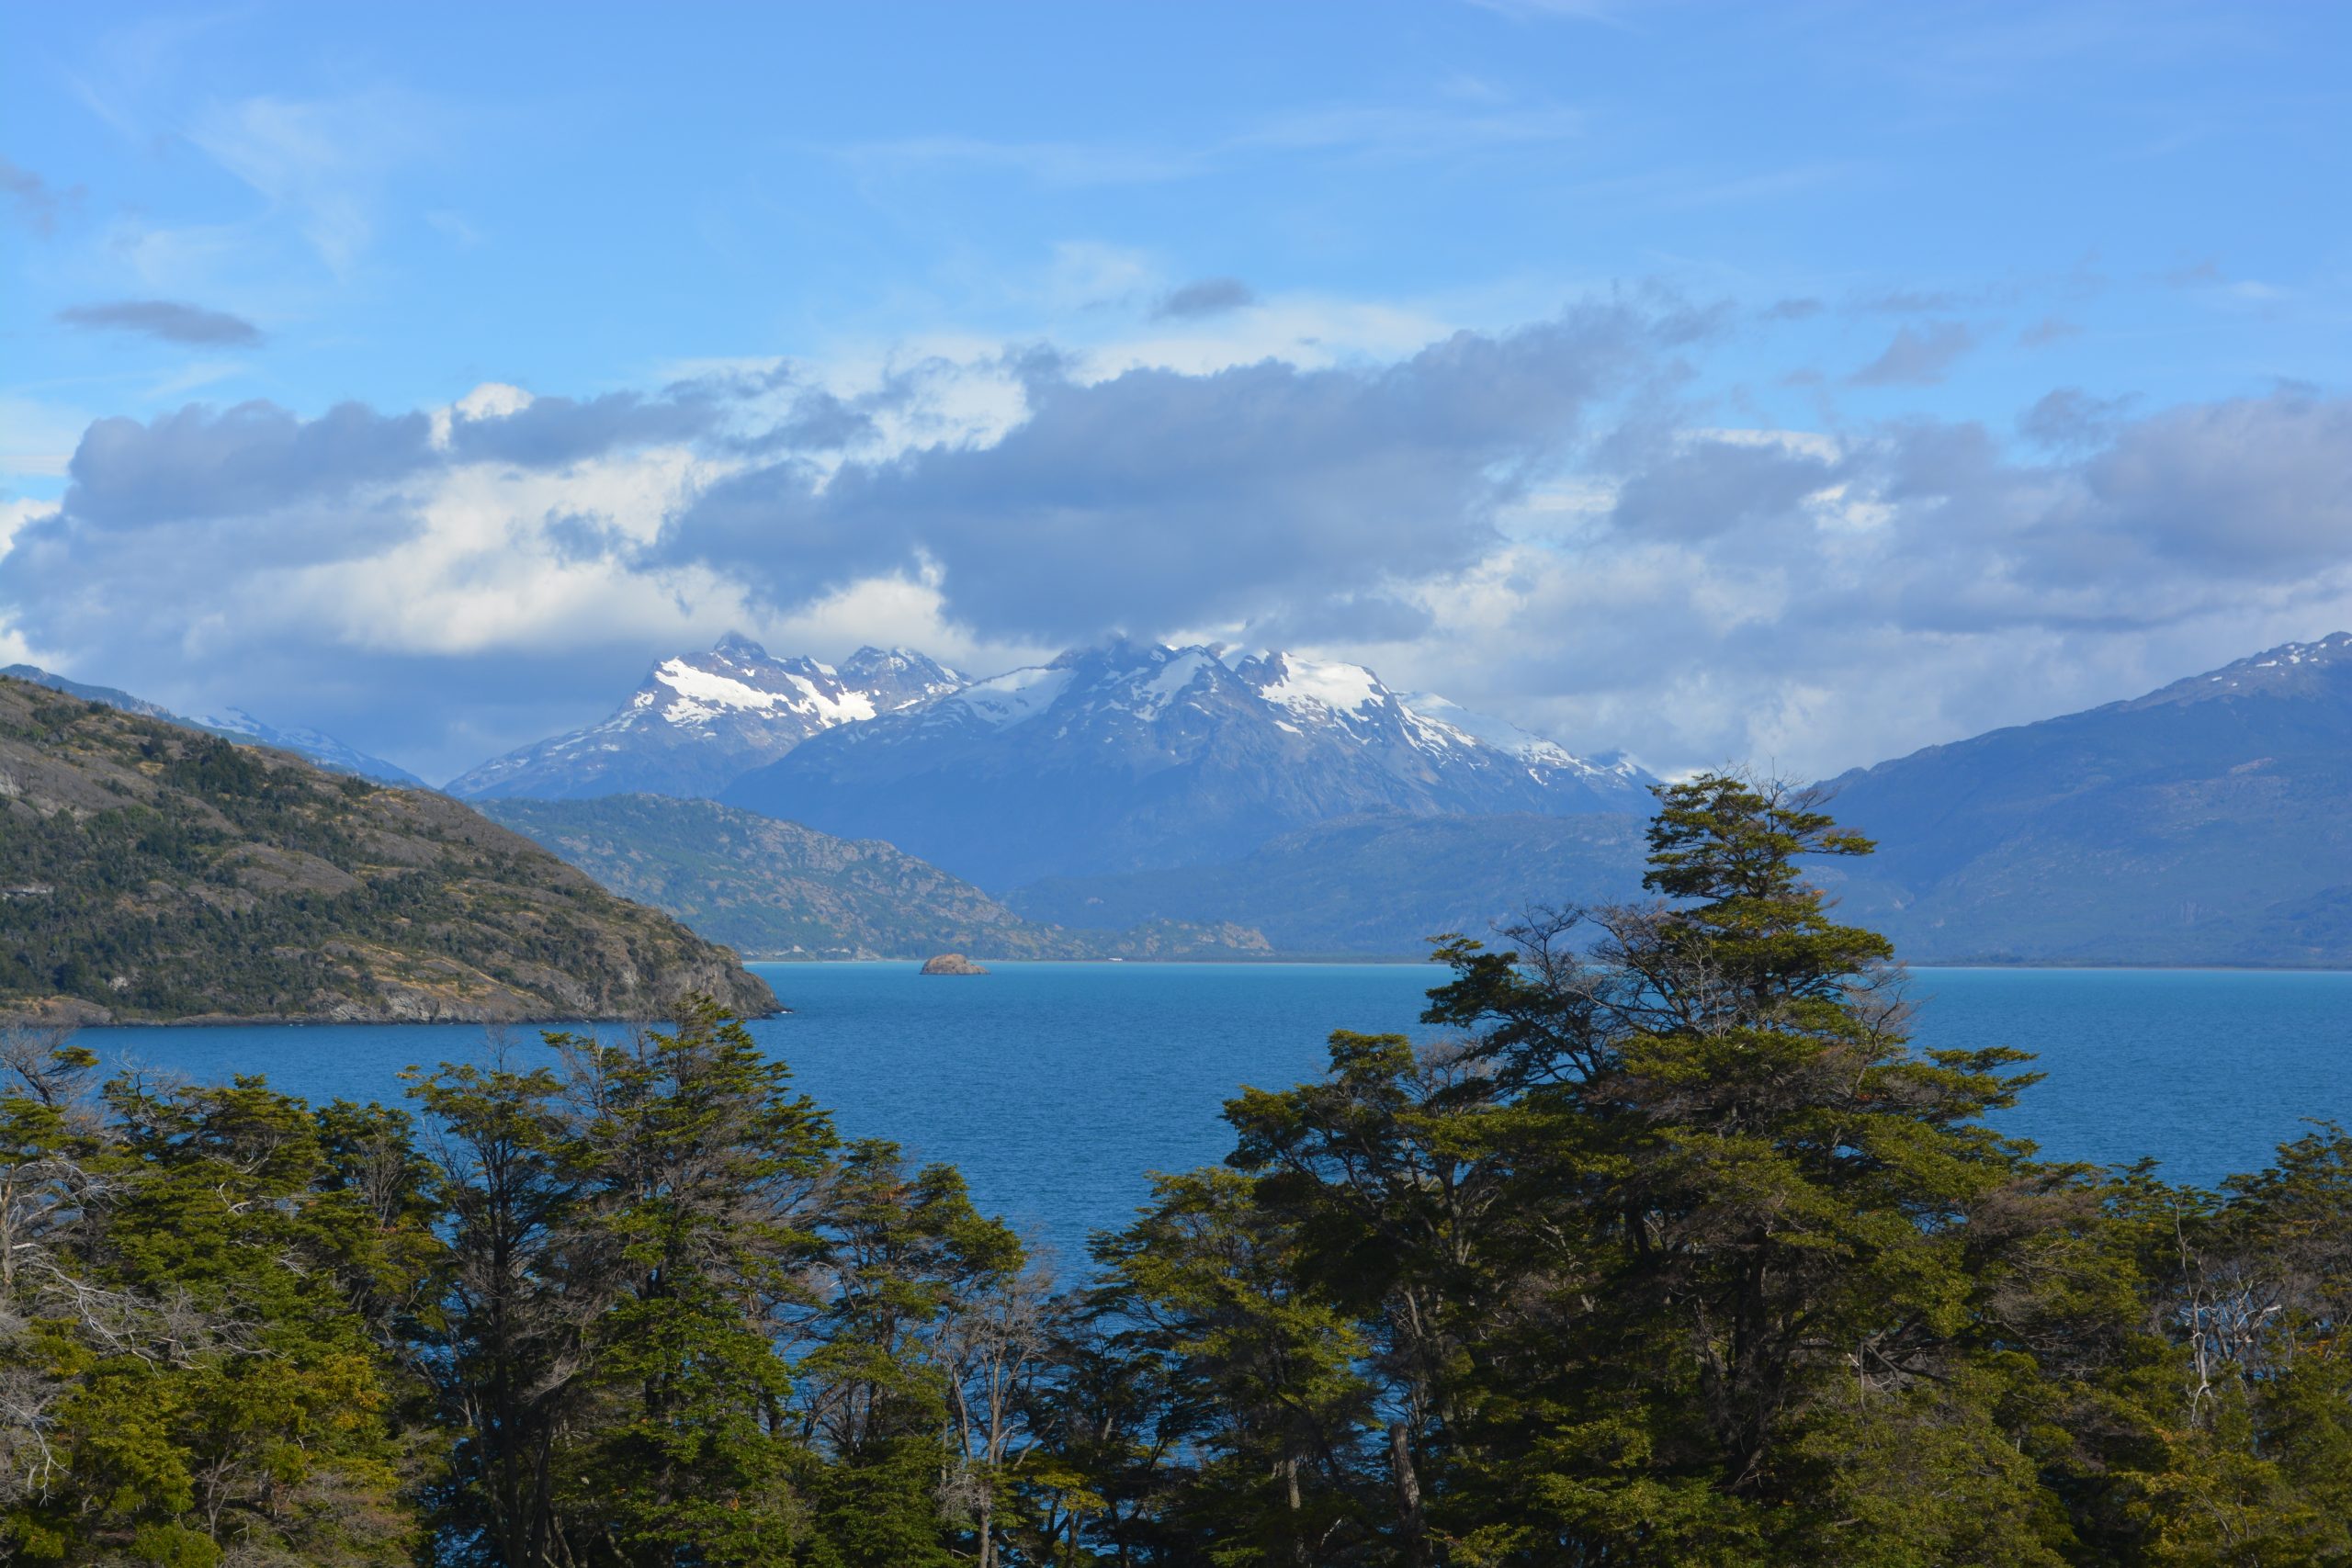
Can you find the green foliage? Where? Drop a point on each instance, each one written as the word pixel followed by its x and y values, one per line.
pixel 1675 1252
pixel 1679 1253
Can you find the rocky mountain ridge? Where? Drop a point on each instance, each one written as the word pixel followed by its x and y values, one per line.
pixel 701 720
pixel 1132 756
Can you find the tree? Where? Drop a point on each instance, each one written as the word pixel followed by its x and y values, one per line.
pixel 1681 1216
pixel 694 1171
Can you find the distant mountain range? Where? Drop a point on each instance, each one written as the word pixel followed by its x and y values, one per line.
pixel 236 724
pixel 1131 783
pixel 2208 822
pixel 1134 756
pixel 703 720
pixel 1133 799
pixel 1372 886
pixel 772 889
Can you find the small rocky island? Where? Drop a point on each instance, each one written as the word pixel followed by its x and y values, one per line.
pixel 951 963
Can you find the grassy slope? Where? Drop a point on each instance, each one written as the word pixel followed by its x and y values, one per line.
pixel 156 873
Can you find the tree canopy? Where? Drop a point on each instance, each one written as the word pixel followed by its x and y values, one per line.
pixel 1673 1249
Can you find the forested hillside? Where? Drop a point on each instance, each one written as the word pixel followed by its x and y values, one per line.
pixel 1674 1253
pixel 773 889
pixel 149 872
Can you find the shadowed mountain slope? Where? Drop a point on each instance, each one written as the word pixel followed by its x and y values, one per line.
pixel 1373 885
pixel 2209 822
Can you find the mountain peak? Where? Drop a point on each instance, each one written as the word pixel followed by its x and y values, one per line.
pixel 1129 754
pixel 701 719
pixel 2291 670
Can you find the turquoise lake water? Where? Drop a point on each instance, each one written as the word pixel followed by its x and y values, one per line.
pixel 1056 1086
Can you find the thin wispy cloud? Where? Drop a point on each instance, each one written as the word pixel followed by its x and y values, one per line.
pixel 321 163
pixel 168 320
pixel 2047 331
pixel 1919 356
pixel 1367 132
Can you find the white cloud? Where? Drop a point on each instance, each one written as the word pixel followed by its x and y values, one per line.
pixel 1695 592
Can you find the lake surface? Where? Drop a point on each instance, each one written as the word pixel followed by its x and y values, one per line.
pixel 1056 1086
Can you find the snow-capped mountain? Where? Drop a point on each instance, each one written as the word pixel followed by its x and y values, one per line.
pixel 702 720
pixel 1135 755
pixel 236 724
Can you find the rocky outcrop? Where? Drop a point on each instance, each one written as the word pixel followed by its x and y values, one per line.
pixel 951 963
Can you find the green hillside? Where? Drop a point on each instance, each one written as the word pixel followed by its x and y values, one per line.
pixel 150 873
pixel 777 889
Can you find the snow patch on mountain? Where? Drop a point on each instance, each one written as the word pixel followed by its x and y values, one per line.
pixel 1017 695
pixel 702 719
pixel 1313 684
pixel 1171 679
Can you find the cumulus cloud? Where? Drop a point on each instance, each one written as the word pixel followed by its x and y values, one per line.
pixel 166 319
pixel 1919 356
pixel 549 432
pixel 1531 521
pixel 1156 500
pixel 1208 297
pixel 1713 486
pixel 251 461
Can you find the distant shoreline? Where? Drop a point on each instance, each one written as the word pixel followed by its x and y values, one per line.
pixel 1374 960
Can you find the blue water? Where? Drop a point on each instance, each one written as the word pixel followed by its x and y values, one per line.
pixel 1056 1086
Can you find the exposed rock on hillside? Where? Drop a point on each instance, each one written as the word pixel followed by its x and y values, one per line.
pixel 155 872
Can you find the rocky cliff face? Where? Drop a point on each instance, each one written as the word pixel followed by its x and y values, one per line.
pixel 702 720
pixel 154 872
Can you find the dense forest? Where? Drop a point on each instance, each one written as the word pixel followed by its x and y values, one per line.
pixel 1673 1251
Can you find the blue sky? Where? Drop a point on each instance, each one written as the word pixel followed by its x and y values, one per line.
pixel 1837 378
